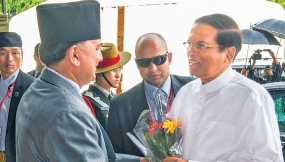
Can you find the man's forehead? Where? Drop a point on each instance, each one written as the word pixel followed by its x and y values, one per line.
pixel 203 32
pixel 10 48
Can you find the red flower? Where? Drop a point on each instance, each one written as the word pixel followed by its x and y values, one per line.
pixel 153 128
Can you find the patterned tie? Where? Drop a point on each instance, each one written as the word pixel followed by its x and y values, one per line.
pixel 161 100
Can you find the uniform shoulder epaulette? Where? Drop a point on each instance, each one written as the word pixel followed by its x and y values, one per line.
pixel 97 99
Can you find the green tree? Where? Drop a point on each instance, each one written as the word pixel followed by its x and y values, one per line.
pixel 281 2
pixel 14 7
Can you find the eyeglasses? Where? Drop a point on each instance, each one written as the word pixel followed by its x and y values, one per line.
pixel 117 70
pixel 158 60
pixel 199 45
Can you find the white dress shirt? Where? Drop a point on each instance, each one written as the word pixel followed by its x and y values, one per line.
pixel 4 109
pixel 231 118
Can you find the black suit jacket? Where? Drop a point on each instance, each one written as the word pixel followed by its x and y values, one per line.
pixel 31 73
pixel 23 81
pixel 124 113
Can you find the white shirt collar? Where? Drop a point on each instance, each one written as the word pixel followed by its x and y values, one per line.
pixel 12 78
pixel 219 82
pixel 106 93
pixel 149 89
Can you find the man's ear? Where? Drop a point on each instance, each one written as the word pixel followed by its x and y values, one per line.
pixel 169 57
pixel 73 55
pixel 231 51
pixel 22 53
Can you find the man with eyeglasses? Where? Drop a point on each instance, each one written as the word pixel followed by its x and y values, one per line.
pixel 108 75
pixel 224 115
pixel 153 60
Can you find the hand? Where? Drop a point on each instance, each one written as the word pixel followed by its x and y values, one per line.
pixel 143 159
pixel 173 159
pixel 271 53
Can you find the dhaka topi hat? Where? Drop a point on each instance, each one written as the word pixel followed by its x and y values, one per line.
pixel 10 39
pixel 69 22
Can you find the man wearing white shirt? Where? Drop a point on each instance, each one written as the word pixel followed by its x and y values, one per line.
pixel 224 115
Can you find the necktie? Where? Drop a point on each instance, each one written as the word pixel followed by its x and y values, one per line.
pixel 161 100
pixel 38 74
pixel 109 96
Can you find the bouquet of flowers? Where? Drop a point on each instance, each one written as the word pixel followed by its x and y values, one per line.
pixel 157 140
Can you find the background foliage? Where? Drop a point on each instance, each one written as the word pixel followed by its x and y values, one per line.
pixel 14 7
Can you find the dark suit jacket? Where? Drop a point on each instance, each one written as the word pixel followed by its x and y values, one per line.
pixel 55 124
pixel 31 73
pixel 124 113
pixel 23 81
pixel 101 110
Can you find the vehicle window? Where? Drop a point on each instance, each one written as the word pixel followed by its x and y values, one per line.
pixel 279 101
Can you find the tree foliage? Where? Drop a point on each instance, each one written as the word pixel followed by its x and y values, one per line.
pixel 14 7
pixel 281 2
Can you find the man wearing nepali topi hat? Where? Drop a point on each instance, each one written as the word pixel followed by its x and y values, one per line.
pixel 13 84
pixel 53 121
pixel 108 75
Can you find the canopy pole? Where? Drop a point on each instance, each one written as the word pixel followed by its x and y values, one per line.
pixel 278 47
pixel 120 40
pixel 246 55
pixel 247 47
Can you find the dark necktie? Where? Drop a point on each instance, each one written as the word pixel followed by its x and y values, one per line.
pixel 38 74
pixel 109 96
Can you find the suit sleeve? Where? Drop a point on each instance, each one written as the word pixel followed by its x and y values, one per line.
pixel 71 132
pixel 113 130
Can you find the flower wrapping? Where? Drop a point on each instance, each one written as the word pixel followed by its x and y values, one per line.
pixel 157 141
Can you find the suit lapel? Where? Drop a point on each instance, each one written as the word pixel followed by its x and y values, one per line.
pixel 16 95
pixel 140 102
pixel 176 85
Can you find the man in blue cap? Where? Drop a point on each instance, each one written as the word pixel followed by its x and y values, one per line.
pixel 13 84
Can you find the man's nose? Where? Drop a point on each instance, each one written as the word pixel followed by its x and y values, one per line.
pixel 152 66
pixel 9 56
